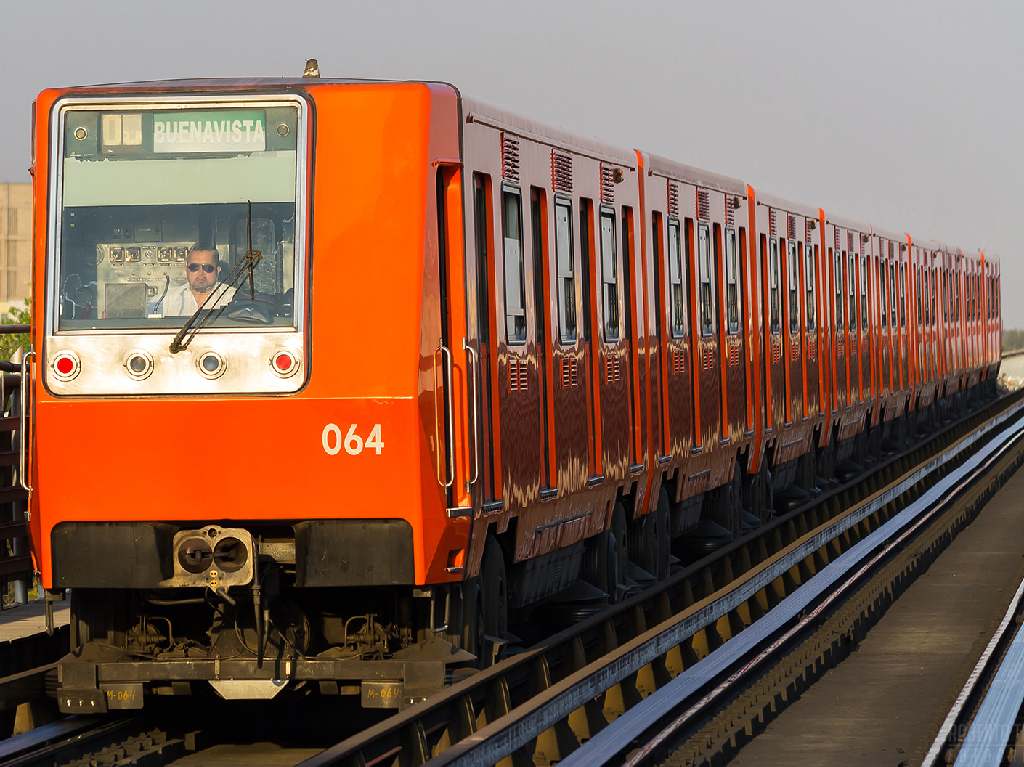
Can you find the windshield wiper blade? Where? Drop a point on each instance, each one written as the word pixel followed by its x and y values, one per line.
pixel 203 316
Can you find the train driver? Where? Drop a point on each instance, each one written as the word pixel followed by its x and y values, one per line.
pixel 202 282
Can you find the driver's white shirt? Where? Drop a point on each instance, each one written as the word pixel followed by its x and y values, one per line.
pixel 179 302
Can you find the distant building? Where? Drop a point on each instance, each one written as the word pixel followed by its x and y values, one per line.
pixel 15 244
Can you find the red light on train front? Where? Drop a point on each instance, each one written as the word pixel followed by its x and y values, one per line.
pixel 284 363
pixel 66 366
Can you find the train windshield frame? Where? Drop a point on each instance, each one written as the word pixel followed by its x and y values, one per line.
pixel 145 186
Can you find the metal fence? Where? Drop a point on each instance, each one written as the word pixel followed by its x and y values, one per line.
pixel 16 569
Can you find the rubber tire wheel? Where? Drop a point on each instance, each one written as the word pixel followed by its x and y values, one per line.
pixel 650 540
pixel 492 611
pixel 663 535
pixel 605 561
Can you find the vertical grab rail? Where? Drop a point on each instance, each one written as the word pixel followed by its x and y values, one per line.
pixel 474 395
pixel 22 421
pixel 443 450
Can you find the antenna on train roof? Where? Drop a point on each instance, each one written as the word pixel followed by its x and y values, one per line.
pixel 312 68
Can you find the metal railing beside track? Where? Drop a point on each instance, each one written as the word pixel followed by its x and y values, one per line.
pixel 16 568
pixel 539 705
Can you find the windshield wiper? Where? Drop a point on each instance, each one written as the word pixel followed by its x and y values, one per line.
pixel 203 316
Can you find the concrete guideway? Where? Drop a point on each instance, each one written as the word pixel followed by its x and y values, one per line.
pixel 886 701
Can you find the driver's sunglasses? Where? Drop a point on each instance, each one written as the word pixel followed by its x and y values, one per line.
pixel 208 268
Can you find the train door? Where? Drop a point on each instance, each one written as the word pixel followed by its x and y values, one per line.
pixel 542 311
pixel 775 378
pixel 840 344
pixel 733 337
pixel 811 359
pixel 884 302
pixel 852 348
pixel 614 347
pixel 573 420
pixel 679 239
pixel 709 238
pixel 482 354
pixel 792 347
pixel 864 320
pixel 517 364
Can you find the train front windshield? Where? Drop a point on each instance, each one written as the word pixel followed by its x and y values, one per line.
pixel 150 194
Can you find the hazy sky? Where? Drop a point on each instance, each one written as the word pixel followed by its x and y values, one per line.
pixel 908 115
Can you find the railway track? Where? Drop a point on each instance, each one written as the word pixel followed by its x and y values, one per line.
pixel 575 687
pixel 983 726
pixel 568 689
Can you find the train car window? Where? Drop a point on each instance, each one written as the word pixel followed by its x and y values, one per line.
pixel 586 258
pixel 793 280
pixel 677 280
pixel 811 277
pixel 865 288
pixel 659 270
pixel 774 269
pixel 627 270
pixel 706 267
pixel 903 295
pixel 851 279
pixel 567 330
pixel 917 296
pixel 838 275
pixel 883 276
pixel 609 277
pixel 893 291
pixel 515 288
pixel 934 313
pixel 481 191
pixel 732 288
pixel 955 287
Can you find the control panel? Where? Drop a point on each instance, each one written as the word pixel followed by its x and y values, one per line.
pixel 132 277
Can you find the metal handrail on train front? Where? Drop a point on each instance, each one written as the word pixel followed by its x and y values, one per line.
pixel 443 464
pixel 474 395
pixel 23 421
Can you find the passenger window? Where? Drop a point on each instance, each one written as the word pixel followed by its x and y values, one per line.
pixel 774 278
pixel 840 258
pixel 903 295
pixel 481 192
pixel 865 288
pixel 706 267
pixel 609 277
pixel 883 275
pixel 732 288
pixel 810 276
pixel 851 279
pixel 677 280
pixel 566 276
pixel 586 258
pixel 916 285
pixel 515 291
pixel 934 296
pixel 793 274
pixel 892 290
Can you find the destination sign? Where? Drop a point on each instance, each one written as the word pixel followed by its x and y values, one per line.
pixel 229 130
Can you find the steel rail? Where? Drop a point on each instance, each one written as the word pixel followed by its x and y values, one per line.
pixel 503 738
pixel 988 704
pixel 562 676
pixel 56 742
pixel 802 609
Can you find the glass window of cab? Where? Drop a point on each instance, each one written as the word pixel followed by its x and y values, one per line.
pixel 145 190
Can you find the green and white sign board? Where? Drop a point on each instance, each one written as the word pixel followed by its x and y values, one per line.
pixel 195 131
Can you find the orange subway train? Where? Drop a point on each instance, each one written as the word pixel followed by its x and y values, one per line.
pixel 334 383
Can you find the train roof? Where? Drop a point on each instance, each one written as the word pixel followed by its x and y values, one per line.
pixel 781 203
pixel 699 176
pixel 481 112
pixel 848 223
